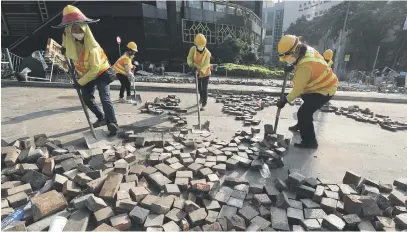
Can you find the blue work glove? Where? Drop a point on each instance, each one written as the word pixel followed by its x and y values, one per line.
pixel 281 103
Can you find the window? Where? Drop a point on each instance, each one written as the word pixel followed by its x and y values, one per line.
pixel 239 11
pixel 209 6
pixel 269 31
pixel 231 10
pixel 194 4
pixel 220 8
pixel 178 5
pixel 161 5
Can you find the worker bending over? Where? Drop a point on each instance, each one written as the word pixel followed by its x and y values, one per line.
pixel 199 59
pixel 314 80
pixel 328 55
pixel 91 65
pixel 125 69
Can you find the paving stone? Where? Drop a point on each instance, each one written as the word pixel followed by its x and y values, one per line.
pixel 227 210
pixel 212 177
pixel 121 166
pixel 17 200
pixel 296 179
pixel 139 214
pixel 261 199
pixel 211 217
pixel 308 203
pixel 311 182
pixel 82 179
pixel 69 164
pixel 176 215
pixel 401 221
pixel 137 169
pixel 212 227
pixel 197 217
pixel 172 189
pixel 279 219
pixel 282 201
pixel 211 204
pixel 163 205
pixel 385 188
pixel 205 171
pixel 47 203
pixel 333 222
pixel 184 174
pixel 235 222
pixel 385 222
pixel 121 222
pixel 311 224
pixel 295 204
pixel 105 227
pixel 70 189
pixel 399 210
pixel 95 203
pixel 6 212
pixel 239 194
pixel 401 183
pixel 232 163
pixel 159 179
pixel 190 206
pixel 370 208
pixel 96 185
pixel 304 191
pixel 314 213
pixel 351 220
pixel 397 198
pixel 352 204
pixel 328 204
pixel 25 167
pixel 294 215
pixel 331 194
pixel 148 171
pixel 369 190
pixel 138 193
pixel 12 155
pixel 220 168
pixel 103 215
pixel 36 179
pixel 18 188
pixel 78 221
pixel 318 194
pixel 351 178
pixel 80 202
pixel 125 206
pixel 195 168
pixel 71 174
pixel 111 186
pixel 280 184
pixel 182 183
pixel 248 213
pixel 366 225
pixel 238 203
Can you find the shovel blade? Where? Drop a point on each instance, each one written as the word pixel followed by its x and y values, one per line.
pixel 101 139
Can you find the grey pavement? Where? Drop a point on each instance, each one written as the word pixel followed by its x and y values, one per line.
pixel 344 143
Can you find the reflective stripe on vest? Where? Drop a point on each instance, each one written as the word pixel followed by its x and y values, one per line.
pixel 82 65
pixel 119 65
pixel 315 61
pixel 198 62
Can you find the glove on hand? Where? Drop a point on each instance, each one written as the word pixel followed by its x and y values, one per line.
pixel 281 103
pixel 288 68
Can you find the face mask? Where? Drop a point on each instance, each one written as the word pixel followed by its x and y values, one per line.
pixel 78 36
pixel 132 53
pixel 291 60
pixel 200 48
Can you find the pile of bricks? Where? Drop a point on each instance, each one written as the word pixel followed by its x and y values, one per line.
pixel 366 116
pixel 170 103
pixel 190 183
pixel 245 107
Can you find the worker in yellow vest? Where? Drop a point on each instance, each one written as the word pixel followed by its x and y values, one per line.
pixel 199 59
pixel 91 65
pixel 125 69
pixel 314 81
pixel 328 55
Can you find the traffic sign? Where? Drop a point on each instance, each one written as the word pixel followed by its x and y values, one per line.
pixel 118 40
pixel 347 57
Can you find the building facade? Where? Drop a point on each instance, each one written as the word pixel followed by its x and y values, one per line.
pixel 163 30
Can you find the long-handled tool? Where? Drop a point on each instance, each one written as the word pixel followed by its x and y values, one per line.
pixel 287 74
pixel 135 97
pixel 73 74
pixel 197 101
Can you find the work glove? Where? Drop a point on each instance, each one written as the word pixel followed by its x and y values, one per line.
pixel 63 51
pixel 288 68
pixel 76 85
pixel 281 103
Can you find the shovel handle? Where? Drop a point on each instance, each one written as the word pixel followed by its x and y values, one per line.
pixel 287 74
pixel 197 100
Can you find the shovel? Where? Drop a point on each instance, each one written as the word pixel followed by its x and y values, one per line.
pixel 135 97
pixel 198 129
pixel 287 74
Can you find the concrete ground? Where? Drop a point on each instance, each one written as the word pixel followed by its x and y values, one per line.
pixel 344 143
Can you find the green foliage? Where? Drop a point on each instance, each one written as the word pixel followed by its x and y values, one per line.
pixel 369 23
pixel 254 71
pixel 236 50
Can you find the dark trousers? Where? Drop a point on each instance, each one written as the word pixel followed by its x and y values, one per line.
pixel 125 85
pixel 312 102
pixel 203 89
pixel 102 83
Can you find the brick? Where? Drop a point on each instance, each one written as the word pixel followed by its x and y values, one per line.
pixel 296 179
pixel 78 221
pixel 96 185
pixel 401 183
pixel 308 203
pixel 235 222
pixel 370 209
pixel 248 213
pixel 171 226
pixel 211 204
pixel 111 186
pixel 205 171
pixel 282 201
pixel 401 221
pixel 163 205
pixel 82 179
pixel 16 226
pixel 352 204
pixel 45 222
pixel 138 193
pixel 232 163
pixel 190 206
pixel 328 204
pixel 48 168
pixel 238 203
pixel 304 191
pixel 137 169
pixel 175 215
pixel 331 194
pixel 351 178
pixel 125 206
pixel 385 222
pixel 4 203
pixel 369 190
pixel 139 214
pixel 95 203
pixel 69 164
pixel 172 189
pixel 36 179
pixel 211 217
pixel 314 214
pixel 47 203
pixel 184 174
pixel 6 212
pixel 279 219
pixel 318 194
pixel 122 195
pixel 220 168
pixel 154 220
pixel 12 155
pixel 351 220
pixel 333 222
pixel 385 188
pixel 261 199
pixel 121 166
pixel 121 222
pixel 294 215
pixel 102 215
pixel 18 199
pixel 399 210
pixel 159 179
pixel 25 167
pixel 295 204
pixel 366 225
pixel 397 198
pixel 105 227
pixel 20 188
pixel 80 202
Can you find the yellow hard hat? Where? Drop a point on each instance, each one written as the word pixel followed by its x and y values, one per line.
pixel 200 40
pixel 287 43
pixel 328 54
pixel 133 46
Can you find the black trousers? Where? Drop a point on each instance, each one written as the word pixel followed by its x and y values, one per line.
pixel 312 102
pixel 203 89
pixel 125 84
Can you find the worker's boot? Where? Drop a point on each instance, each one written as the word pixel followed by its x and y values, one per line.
pixel 129 100
pixel 122 100
pixel 99 123
pixel 309 145
pixel 112 127
pixel 294 128
pixel 203 107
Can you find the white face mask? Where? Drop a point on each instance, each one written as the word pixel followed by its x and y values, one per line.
pixel 200 48
pixel 78 36
pixel 291 60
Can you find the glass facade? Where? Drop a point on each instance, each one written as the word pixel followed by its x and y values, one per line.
pixel 278 32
